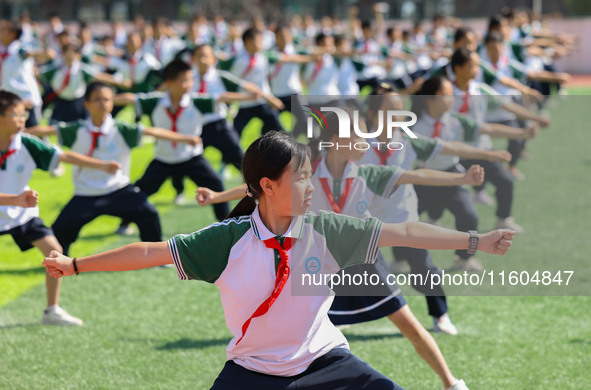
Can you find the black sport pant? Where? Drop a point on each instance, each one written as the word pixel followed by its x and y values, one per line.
pixel 198 170
pixel 421 263
pixel 501 179
pixel 454 198
pixel 127 203
pixel 339 369
pixel 268 115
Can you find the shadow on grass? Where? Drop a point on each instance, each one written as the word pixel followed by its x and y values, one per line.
pixel 23 271
pixel 370 337
pixel 193 344
pixel 579 341
pixel 21 325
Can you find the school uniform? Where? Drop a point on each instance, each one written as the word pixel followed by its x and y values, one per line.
pixel 476 109
pixel 166 49
pixel 285 83
pixel 67 87
pixel 17 75
pixel 289 345
pixel 372 72
pixel 396 71
pixel 402 206
pixel 253 68
pixel 352 195
pixel 347 81
pixel 217 132
pixel 455 198
pixel 143 69
pixel 179 159
pixel 97 192
pixel 321 78
pixel 25 154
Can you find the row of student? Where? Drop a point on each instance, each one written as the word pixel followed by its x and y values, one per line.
pixel 141 60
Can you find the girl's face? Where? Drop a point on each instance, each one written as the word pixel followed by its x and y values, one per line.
pixel 294 189
pixel 445 100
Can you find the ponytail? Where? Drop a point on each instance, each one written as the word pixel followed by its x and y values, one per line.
pixel 245 207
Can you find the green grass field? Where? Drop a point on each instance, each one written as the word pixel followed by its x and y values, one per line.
pixel 146 329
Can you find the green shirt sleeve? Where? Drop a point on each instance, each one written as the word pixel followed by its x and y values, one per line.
pixel 204 104
pixel 226 64
pixel 349 240
pixel 46 157
pixel 381 180
pixel 425 148
pixel 471 129
pixel 146 102
pixel 231 82
pixel 272 56
pixel 489 76
pixel 67 132
pixel 131 133
pixel 203 255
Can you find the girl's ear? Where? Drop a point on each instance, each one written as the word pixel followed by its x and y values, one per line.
pixel 267 186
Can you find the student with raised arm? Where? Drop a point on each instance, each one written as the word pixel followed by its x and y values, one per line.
pixel 250 257
pixel 20 155
pixel 97 193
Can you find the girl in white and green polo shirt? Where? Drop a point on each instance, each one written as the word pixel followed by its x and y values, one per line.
pixel 280 340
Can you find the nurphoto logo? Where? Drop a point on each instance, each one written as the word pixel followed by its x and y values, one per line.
pixel 392 122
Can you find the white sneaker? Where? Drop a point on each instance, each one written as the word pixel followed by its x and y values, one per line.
pixel 124 230
pixel 483 197
pixel 55 315
pixel 458 385
pixel 180 200
pixel 470 264
pixel 509 223
pixel 443 324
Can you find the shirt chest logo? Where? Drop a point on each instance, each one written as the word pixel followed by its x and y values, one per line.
pixel 20 168
pixel 361 207
pixel 312 265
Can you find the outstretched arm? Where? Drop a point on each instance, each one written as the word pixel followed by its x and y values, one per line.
pixel 130 257
pixel 168 135
pixel 426 236
pixel 498 130
pixel 27 198
pixel 432 177
pixel 41 131
pixel 205 196
pixel 89 162
pixel 464 150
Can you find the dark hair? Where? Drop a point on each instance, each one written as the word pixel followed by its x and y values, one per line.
pixel 250 34
pixel 15 29
pixel 94 86
pixel 320 38
pixel 7 100
pixel 494 21
pixel 338 39
pixel 493 37
pixel 365 24
pixel 268 156
pixel 199 47
pixel 174 69
pixel 460 57
pixel 429 88
pixel 460 33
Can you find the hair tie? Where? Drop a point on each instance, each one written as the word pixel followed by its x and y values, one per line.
pixel 248 193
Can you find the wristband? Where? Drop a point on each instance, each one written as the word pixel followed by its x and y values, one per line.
pixel 75 266
pixel 473 242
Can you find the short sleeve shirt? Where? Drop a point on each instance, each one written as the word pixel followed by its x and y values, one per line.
pixel 232 255
pixel 30 153
pixel 114 145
